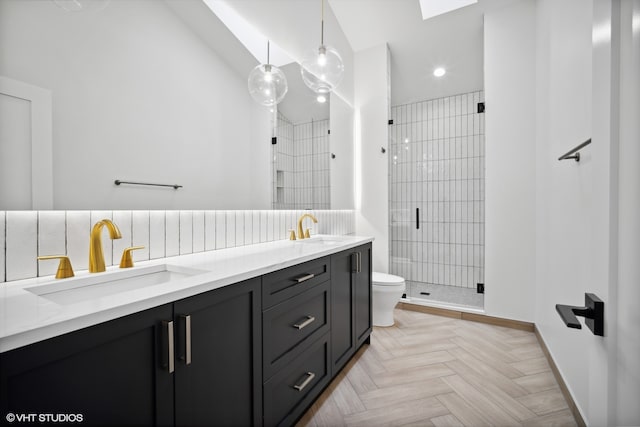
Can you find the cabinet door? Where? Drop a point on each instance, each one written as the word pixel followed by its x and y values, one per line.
pixel 342 313
pixel 115 373
pixel 363 295
pixel 219 357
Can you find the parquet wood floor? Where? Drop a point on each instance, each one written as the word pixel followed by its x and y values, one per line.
pixel 430 370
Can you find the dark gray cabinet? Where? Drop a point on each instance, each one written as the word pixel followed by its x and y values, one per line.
pixel 350 303
pixel 124 372
pixel 114 373
pixel 256 352
pixel 218 360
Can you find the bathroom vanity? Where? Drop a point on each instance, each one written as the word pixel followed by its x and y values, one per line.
pixel 252 339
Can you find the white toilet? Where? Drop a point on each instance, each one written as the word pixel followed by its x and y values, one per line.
pixel 387 291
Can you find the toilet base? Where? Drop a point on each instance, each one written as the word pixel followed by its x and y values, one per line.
pixel 385 299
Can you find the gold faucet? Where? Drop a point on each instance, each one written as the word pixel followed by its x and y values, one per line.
pixel 301 234
pixel 96 257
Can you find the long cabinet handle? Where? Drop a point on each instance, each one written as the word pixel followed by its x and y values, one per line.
pixel 309 320
pixel 305 278
pixel 168 330
pixel 187 339
pixel 359 264
pixel 310 377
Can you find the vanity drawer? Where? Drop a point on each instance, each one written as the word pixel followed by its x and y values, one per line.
pixel 303 318
pixel 288 393
pixel 286 283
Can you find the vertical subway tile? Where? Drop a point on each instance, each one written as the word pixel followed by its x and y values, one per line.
pixel 209 230
pixel 22 244
pixel 140 234
pixel 78 232
pixel 248 227
pixel 123 220
pixel 157 234
pixel 231 228
pixel 186 232
pixel 172 233
pixel 256 226
pixel 239 215
pixel 3 219
pixel 221 229
pixel 52 239
pixel 198 231
pixel 269 225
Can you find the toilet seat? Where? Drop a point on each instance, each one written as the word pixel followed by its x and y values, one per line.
pixel 384 279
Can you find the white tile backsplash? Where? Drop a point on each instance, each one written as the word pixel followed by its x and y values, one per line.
pixel 186 232
pixel 198 231
pixel 22 245
pixel 140 234
pixel 172 233
pixel 24 235
pixel 157 234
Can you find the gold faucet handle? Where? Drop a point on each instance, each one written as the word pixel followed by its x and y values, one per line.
pixel 127 260
pixel 64 267
pixel 292 234
pixel 307 235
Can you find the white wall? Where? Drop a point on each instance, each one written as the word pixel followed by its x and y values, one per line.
pixel 510 222
pixel 371 78
pixel 627 378
pixel 138 96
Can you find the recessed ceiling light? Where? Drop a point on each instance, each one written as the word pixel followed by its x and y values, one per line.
pixel 321 99
pixel 439 72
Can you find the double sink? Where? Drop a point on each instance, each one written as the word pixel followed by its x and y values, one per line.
pixel 85 288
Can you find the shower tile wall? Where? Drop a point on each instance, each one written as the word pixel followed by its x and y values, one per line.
pixel 301 165
pixel 437 166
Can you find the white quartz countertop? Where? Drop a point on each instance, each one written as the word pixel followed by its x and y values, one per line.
pixel 26 317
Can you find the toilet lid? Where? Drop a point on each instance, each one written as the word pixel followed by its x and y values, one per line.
pixel 386 279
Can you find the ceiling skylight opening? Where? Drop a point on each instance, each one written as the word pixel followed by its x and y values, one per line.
pixel 431 8
pixel 251 38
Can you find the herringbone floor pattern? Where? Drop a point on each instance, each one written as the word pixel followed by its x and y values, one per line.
pixel 436 371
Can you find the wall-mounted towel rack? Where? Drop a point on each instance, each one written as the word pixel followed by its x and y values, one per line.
pixel 576 156
pixel 175 186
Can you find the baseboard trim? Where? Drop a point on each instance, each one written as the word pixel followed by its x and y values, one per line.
pixel 563 386
pixel 507 323
pixel 473 317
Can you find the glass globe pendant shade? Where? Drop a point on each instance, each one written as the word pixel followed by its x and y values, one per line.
pixel 267 85
pixel 323 72
pixel 82 5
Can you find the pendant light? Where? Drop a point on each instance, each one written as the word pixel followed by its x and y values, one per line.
pixel 323 72
pixel 267 83
pixel 82 5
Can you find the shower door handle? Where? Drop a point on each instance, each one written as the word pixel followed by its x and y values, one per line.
pixel 417 218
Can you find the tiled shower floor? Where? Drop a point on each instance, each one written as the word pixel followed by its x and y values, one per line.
pixel 442 294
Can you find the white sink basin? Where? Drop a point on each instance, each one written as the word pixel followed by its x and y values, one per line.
pixel 78 289
pixel 323 240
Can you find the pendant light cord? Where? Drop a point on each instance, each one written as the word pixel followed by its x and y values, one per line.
pixel 322 24
pixel 268 52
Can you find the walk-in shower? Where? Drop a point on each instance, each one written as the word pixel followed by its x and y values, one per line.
pixel 436 166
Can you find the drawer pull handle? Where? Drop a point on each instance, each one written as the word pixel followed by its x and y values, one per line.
pixel 309 320
pixel 305 278
pixel 310 377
